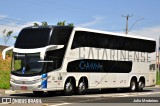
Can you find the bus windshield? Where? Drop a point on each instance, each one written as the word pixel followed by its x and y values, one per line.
pixel 26 64
pixel 30 38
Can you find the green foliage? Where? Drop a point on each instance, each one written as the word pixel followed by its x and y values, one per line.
pixel 5 66
pixel 9 54
pixel 35 24
pixel 4 79
pixel 61 23
pixel 17 65
pixel 158 78
pixel 9 33
pixel 15 37
pixel 44 23
pixel 71 24
pixel 6 35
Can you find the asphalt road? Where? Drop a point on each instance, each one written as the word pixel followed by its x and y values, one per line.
pixel 150 96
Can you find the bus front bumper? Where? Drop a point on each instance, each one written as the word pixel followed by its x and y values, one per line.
pixel 32 87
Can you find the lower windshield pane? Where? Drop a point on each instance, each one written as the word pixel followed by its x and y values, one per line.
pixel 26 64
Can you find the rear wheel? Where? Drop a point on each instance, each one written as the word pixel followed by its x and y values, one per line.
pixel 141 85
pixel 133 85
pixel 81 88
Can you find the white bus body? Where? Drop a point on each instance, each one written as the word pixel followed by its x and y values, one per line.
pixel 85 59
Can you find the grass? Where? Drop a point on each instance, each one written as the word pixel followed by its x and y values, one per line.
pixel 158 78
pixel 4 79
pixel 5 66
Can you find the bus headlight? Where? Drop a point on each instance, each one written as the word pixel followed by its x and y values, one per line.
pixel 37 80
pixel 12 80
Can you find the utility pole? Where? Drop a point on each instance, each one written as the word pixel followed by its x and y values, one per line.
pixel 127 17
pixel 158 70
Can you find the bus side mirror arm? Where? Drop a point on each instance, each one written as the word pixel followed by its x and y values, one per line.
pixel 5 50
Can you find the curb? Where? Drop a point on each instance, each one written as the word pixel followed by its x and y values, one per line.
pixel 157 86
pixel 2 91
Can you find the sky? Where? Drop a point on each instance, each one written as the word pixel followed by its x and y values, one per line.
pixel 106 15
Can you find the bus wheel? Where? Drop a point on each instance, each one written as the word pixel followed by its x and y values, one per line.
pixel 141 85
pixel 68 88
pixel 38 93
pixel 81 88
pixel 133 85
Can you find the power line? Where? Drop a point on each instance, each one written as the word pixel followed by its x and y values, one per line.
pixel 147 35
pixel 11 25
pixel 134 24
pixel 13 20
pixel 7 22
pixel 127 17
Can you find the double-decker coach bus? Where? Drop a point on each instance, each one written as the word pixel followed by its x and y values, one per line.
pixel 69 59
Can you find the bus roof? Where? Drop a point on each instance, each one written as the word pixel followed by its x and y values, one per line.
pixel 95 31
pixel 48 26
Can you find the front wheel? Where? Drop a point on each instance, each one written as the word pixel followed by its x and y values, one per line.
pixel 68 88
pixel 81 88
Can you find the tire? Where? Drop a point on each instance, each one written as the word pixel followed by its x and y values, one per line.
pixel 141 85
pixel 68 88
pixel 38 93
pixel 81 88
pixel 133 85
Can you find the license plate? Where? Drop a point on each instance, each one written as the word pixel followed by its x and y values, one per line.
pixel 23 88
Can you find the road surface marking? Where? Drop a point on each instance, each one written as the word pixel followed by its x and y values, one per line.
pixel 113 95
pixel 61 104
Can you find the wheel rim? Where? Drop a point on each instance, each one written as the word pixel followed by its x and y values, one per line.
pixel 133 87
pixel 69 87
pixel 141 85
pixel 82 87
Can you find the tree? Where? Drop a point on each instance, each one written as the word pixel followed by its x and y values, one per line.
pixel 44 23
pixel 35 24
pixel 61 23
pixel 70 24
pixel 6 35
pixel 15 37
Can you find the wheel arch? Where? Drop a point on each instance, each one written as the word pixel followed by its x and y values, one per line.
pixel 131 78
pixel 142 78
pixel 72 78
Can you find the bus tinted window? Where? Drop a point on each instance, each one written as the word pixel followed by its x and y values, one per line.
pixel 140 45
pixel 90 39
pixel 60 35
pixel 115 42
pixel 104 66
pixel 56 56
pixel 33 38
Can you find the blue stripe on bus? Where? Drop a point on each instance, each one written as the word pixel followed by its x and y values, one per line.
pixel 44 82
